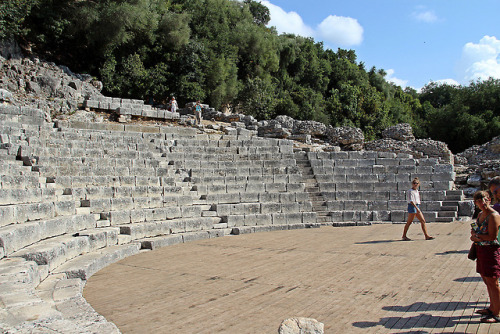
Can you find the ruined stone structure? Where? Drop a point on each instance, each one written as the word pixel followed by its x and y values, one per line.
pixel 76 197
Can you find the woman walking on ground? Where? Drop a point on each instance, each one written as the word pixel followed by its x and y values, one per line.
pixel 494 187
pixel 485 236
pixel 413 197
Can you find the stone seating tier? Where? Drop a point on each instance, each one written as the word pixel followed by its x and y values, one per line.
pixel 91 194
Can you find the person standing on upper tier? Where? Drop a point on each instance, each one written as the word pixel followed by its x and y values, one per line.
pixel 413 197
pixel 197 112
pixel 173 105
pixel 494 187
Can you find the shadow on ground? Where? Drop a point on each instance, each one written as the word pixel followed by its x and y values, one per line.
pixel 422 320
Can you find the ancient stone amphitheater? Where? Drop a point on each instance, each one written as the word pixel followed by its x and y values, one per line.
pixel 76 197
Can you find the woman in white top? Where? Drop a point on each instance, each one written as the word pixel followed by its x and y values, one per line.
pixel 413 197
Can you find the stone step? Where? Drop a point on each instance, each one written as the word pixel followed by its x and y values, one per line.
pixel 84 266
pixel 447 214
pixel 444 219
pixel 449 208
pixel 348 224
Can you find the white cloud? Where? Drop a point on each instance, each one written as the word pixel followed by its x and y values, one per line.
pixel 340 30
pixel 337 30
pixel 481 60
pixel 391 78
pixel 451 82
pixel 287 22
pixel 427 16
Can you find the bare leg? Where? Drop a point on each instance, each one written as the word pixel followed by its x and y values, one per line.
pixel 420 217
pixel 493 293
pixel 411 216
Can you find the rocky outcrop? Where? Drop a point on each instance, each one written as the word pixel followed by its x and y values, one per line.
pixel 478 165
pixel 401 132
pixel 46 86
pixel 348 138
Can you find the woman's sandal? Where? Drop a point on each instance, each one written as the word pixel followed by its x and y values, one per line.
pixel 485 311
pixel 490 319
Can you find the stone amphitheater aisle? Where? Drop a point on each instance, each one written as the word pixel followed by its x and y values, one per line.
pixel 353 279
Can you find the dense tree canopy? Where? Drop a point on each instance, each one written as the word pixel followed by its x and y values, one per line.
pixel 221 52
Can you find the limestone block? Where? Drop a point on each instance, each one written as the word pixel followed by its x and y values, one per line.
pixel 366 162
pixel 255 187
pixel 293 197
pixel 377 205
pixel 290 207
pixel 259 219
pixel 398 216
pixel 443 185
pixel 15 237
pixel 190 211
pixel 335 205
pixel 92 104
pixel 223 209
pixel 175 212
pixel 84 266
pixel 79 222
pixel 389 161
pixel 336 216
pixel 119 217
pixel 7 215
pixel 293 218
pixel 174 226
pixel 365 216
pixel 56 251
pixel 53 227
pixel 444 176
pixel 382 215
pixel 199 223
pixel 234 220
pixel 406 169
pixel 386 186
pixel 351 216
pixel 161 241
pixel 270 207
pixel 121 204
pixel 431 205
pixel 393 205
pixel 193 236
pixel 137 216
pixel 305 206
pixel 249 197
pixel 428 161
pixel 309 217
pixel 158 214
pixel 248 208
pixel 64 208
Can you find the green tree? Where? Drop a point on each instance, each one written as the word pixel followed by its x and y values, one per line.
pixel 12 16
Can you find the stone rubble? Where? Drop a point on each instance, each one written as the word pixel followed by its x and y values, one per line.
pixel 301 326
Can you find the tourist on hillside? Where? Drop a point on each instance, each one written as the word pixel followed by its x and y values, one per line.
pixel 494 187
pixel 485 236
pixel 197 112
pixel 413 197
pixel 173 105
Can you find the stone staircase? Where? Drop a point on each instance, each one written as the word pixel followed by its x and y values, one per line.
pixel 312 188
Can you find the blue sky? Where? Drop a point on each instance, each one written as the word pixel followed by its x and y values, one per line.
pixel 414 41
